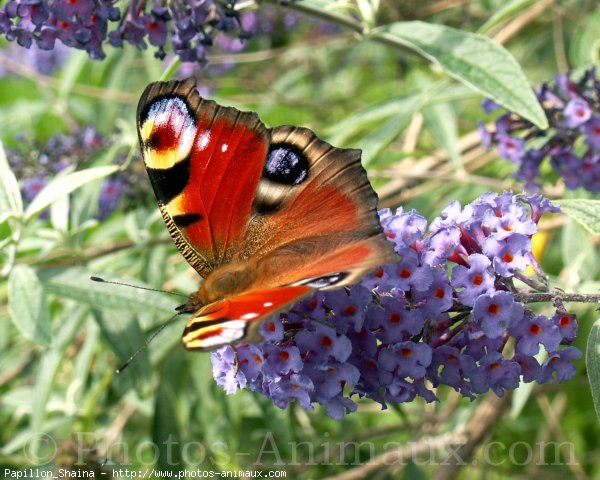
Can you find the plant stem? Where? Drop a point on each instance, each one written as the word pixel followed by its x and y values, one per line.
pixel 537 297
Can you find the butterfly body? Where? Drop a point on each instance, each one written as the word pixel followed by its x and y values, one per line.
pixel 265 216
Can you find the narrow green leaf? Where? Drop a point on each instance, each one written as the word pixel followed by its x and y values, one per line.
pixel 19 115
pixel 50 361
pixel 440 120
pixel 586 212
pixel 519 398
pixel 166 426
pixel 125 337
pixel 64 185
pixel 70 72
pixel 6 215
pixel 349 127
pixel 368 11
pixel 116 82
pixel 24 438
pixel 85 358
pixel 579 251
pixel 381 137
pixel 59 214
pixel 508 10
pixel 10 195
pixel 156 264
pixel 84 204
pixel 592 361
pixel 75 283
pixel 471 58
pixel 584 44
pixel 27 305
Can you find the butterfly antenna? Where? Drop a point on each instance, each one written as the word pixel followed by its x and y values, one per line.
pixel 102 280
pixel 146 343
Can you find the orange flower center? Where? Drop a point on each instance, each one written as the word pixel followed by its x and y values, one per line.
pixel 535 329
pixel 508 257
pixel 494 309
pixel 284 356
pixel 564 321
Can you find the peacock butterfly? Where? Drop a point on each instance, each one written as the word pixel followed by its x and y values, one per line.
pixel 264 215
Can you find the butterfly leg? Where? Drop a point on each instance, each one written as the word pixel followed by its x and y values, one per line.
pixel 236 359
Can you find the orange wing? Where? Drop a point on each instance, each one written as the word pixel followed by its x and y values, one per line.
pixel 238 318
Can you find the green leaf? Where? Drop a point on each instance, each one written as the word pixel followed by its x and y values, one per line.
pixel 579 252
pixel 521 395
pixel 519 398
pixel 381 137
pixel 368 11
pixel 473 59
pixel 349 127
pixel 63 185
pixel 27 305
pixel 510 9
pixel 85 358
pixel 440 120
pixel 584 45
pixel 592 361
pixel 10 195
pixel 156 264
pixel 125 336
pixel 166 426
pixel 586 212
pixel 19 115
pixel 75 283
pixel 69 74
pixel 59 214
pixel 50 361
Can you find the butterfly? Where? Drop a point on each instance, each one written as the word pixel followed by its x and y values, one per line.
pixel 264 215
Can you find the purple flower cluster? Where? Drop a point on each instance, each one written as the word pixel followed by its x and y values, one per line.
pixel 84 24
pixel 32 158
pixel 35 164
pixel 191 27
pixel 81 24
pixel 572 143
pixel 447 313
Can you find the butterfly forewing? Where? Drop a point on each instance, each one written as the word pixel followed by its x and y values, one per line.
pixel 204 162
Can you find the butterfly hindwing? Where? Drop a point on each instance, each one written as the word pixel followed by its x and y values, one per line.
pixel 233 319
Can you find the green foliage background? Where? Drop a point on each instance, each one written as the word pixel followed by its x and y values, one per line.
pixel 408 94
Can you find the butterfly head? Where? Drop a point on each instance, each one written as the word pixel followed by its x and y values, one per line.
pixel 191 306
